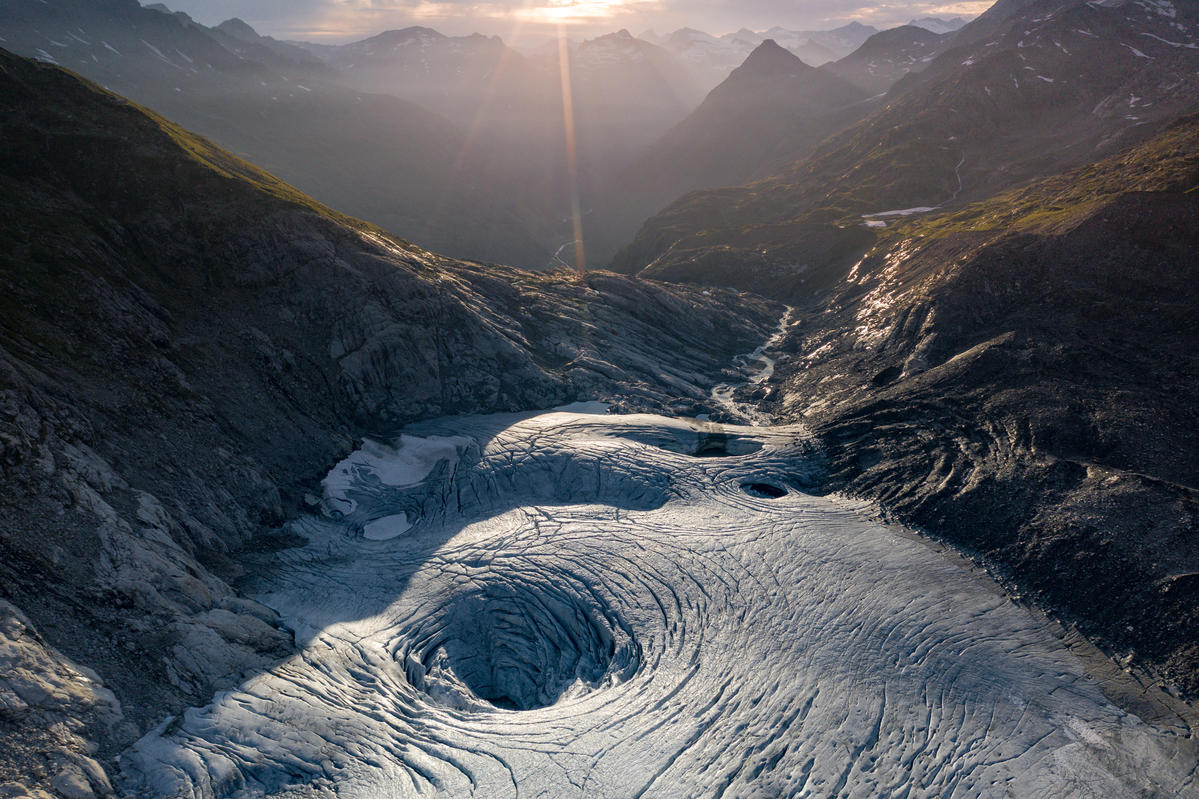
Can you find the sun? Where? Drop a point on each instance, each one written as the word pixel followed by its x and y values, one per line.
pixel 568 11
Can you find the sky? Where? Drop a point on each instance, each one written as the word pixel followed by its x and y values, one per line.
pixel 523 21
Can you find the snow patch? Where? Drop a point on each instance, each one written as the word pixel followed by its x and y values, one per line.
pixel 387 528
pixel 1172 44
pixel 923 209
pixel 1137 52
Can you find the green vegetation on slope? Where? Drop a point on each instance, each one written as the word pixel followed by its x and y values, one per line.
pixel 1167 163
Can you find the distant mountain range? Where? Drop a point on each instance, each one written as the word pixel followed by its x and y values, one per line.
pixel 483 171
pixel 1024 91
pixel 771 112
pixel 771 109
pixel 716 56
pixel 939 25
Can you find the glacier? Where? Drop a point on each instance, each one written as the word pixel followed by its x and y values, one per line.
pixel 635 606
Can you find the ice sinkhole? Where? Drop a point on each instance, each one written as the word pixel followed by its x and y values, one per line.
pixel 764 490
pixel 516 646
pixel 592 606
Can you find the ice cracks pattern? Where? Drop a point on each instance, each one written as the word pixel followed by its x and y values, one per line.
pixel 599 606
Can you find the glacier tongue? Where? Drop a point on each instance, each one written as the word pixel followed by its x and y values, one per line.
pixel 634 606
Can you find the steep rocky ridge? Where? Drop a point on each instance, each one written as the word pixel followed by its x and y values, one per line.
pixel 1019 378
pixel 186 343
pixel 1058 87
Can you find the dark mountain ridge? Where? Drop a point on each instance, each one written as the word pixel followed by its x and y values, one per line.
pixel 770 110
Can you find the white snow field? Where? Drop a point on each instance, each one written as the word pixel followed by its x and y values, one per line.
pixel 634 606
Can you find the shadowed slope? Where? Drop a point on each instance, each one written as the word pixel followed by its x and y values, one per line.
pixel 769 111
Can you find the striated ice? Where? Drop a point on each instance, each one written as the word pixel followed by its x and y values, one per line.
pixel 634 606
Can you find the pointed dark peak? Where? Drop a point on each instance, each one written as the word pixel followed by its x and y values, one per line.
pixel 770 58
pixel 238 29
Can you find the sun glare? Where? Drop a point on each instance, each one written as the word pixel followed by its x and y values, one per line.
pixel 568 11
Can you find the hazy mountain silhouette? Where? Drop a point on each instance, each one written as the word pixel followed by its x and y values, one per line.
pixel 886 57
pixel 771 110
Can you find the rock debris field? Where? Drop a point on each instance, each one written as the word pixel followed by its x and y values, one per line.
pixel 564 604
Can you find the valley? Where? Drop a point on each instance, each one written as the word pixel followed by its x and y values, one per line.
pixel 806 412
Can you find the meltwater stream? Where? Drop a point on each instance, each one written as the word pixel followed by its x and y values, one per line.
pixel 564 605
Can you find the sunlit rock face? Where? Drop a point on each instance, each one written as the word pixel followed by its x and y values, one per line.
pixel 641 607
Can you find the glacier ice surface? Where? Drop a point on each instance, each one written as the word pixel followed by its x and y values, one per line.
pixel 635 606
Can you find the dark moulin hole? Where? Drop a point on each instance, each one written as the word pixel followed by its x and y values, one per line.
pixel 764 490
pixel 518 651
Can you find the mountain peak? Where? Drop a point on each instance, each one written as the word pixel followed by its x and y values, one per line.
pixel 398 36
pixel 239 29
pixel 939 25
pixel 770 58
